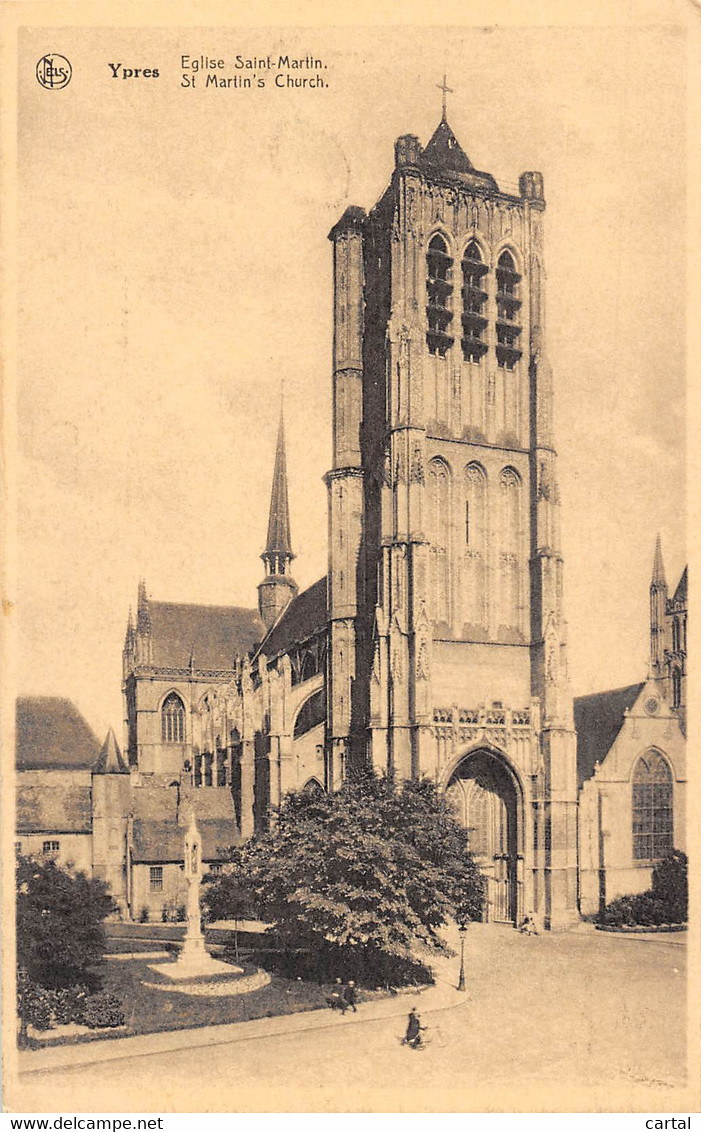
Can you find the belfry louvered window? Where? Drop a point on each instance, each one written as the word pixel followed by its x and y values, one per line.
pixel 474 296
pixel 653 833
pixel 508 307
pixel 173 719
pixel 439 289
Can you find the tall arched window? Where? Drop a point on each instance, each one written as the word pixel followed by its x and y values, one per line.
pixel 439 288
pixel 474 296
pixel 653 826
pixel 508 306
pixel 438 530
pixel 676 636
pixel 474 555
pixel 173 719
pixel 676 688
pixel 510 556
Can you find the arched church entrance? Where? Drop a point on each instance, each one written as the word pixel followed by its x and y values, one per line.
pixel 485 796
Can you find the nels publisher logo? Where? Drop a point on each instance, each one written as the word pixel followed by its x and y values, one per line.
pixel 54 71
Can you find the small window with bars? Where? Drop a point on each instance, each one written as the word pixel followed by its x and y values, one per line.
pixel 51 847
pixel 156 878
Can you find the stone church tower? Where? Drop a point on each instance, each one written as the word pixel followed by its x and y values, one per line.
pixel 447 652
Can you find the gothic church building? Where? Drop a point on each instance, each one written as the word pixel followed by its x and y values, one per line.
pixel 436 643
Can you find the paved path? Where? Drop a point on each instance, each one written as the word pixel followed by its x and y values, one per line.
pixel 592 1012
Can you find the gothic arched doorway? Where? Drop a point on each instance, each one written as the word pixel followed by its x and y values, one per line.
pixel 484 793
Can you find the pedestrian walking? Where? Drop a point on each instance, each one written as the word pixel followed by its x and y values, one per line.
pixel 350 996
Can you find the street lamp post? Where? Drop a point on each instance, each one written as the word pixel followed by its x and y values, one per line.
pixel 462 928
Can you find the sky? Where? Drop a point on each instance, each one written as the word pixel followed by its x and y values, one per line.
pixel 174 268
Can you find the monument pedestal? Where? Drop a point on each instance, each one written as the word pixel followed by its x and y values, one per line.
pixel 194 961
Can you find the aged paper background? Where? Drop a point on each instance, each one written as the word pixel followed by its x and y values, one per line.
pixel 166 252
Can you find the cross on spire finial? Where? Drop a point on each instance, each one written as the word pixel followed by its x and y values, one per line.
pixel 446 91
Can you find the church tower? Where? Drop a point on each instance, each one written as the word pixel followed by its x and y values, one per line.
pixel 277 588
pixel 446 630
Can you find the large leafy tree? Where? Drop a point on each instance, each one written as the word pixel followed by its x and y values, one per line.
pixel 60 915
pixel 363 878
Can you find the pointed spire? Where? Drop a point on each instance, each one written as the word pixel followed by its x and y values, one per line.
pixel 143 613
pixel 279 544
pixel 277 588
pixel 658 575
pixel 110 760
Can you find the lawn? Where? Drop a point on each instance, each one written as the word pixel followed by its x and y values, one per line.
pixel 148 1010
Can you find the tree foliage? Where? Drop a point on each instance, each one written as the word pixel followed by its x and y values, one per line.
pixel 369 874
pixel 60 932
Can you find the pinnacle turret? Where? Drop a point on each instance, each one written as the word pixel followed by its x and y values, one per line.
pixel 143 613
pixel 658 613
pixel 658 575
pixel 130 633
pixel 110 760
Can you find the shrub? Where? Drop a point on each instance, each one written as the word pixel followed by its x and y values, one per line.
pixel 165 914
pixel 40 1006
pixel 180 914
pixel 619 913
pixel 649 910
pixel 101 1011
pixel 670 884
pixel 144 915
pixel 45 1008
pixel 665 903
pixel 69 1005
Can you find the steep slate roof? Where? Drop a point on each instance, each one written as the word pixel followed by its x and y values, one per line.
pixel 681 592
pixel 52 735
pixel 598 720
pixel 156 841
pixel 152 801
pixel 213 635
pixel 303 617
pixel 54 801
pixel 443 153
